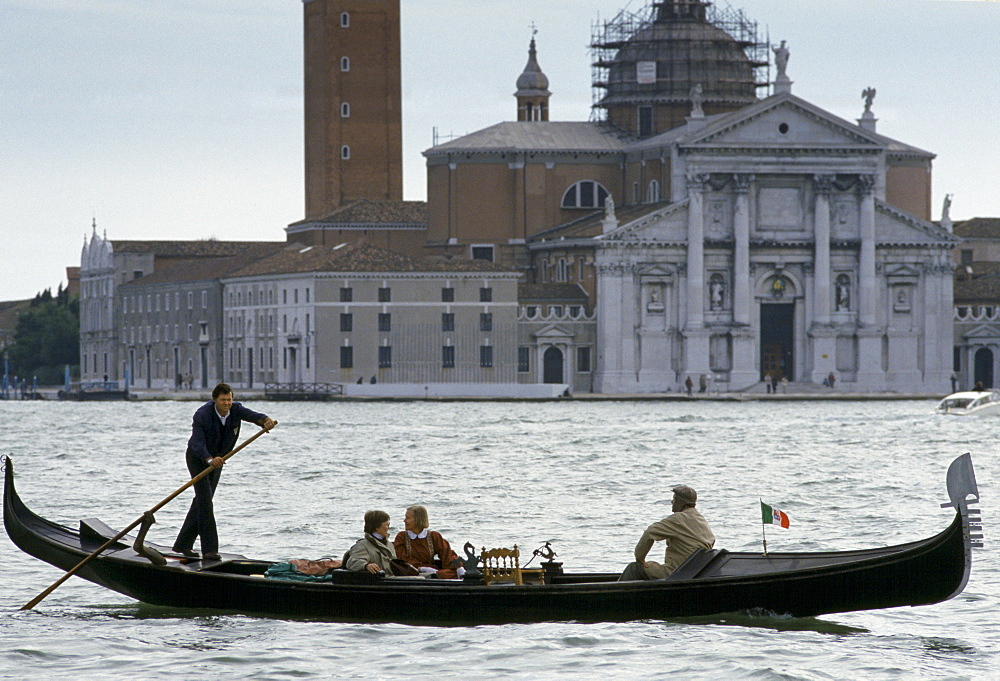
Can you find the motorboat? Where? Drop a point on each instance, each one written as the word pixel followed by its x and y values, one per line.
pixel 970 402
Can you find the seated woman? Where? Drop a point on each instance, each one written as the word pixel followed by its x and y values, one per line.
pixel 373 552
pixel 418 546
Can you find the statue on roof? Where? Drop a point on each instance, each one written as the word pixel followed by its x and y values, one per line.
pixel 696 99
pixel 869 96
pixel 781 54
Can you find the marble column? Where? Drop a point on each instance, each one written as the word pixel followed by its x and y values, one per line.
pixel 824 340
pixel 871 376
pixel 866 263
pixel 696 336
pixel 741 251
pixel 744 372
pixel 696 252
pixel 823 185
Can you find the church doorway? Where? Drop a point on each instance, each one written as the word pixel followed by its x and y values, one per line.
pixel 777 323
pixel 983 367
pixel 552 366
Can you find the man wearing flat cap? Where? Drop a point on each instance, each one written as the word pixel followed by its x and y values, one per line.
pixel 685 531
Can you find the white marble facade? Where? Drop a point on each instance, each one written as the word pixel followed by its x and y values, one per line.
pixel 780 256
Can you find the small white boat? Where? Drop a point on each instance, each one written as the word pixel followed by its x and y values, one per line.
pixel 972 402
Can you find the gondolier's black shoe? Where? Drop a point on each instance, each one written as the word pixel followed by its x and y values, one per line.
pixel 212 556
pixel 187 553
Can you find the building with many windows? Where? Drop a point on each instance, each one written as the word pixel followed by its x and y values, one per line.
pixel 355 312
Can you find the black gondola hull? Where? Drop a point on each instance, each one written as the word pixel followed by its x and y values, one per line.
pixel 797 584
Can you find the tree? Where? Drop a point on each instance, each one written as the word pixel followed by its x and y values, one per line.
pixel 47 338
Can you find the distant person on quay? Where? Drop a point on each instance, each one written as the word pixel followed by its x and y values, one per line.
pixel 214 431
pixel 684 531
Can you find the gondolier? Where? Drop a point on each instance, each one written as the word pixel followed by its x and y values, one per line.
pixel 214 430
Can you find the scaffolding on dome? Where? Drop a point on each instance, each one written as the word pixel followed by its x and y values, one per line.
pixel 609 37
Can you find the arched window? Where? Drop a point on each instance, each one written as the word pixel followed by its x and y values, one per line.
pixel 653 192
pixel 345 20
pixel 345 152
pixel 345 110
pixel 345 63
pixel 585 194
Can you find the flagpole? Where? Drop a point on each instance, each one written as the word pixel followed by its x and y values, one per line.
pixel 762 524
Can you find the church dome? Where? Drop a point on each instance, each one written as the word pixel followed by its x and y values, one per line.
pixel 657 60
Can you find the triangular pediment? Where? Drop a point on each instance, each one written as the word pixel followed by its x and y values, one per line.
pixel 982 331
pixel 893 226
pixel 553 331
pixel 667 225
pixel 784 121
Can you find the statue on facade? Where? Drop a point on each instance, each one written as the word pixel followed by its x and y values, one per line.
pixel 655 303
pixel 868 94
pixel 716 293
pixel 781 54
pixel 946 209
pixel 843 291
pixel 696 99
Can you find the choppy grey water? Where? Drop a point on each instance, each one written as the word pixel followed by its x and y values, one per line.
pixel 586 476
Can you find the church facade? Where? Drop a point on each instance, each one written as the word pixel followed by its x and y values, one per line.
pixel 780 257
pixel 752 238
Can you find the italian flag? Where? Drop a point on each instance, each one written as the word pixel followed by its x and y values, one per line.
pixel 773 516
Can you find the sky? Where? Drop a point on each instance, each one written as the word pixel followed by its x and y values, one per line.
pixel 182 119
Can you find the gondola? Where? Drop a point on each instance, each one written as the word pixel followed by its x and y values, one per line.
pixel 709 582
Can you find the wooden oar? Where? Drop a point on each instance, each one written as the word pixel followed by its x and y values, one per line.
pixel 37 599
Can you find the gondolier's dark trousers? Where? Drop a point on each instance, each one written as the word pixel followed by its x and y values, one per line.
pixel 200 520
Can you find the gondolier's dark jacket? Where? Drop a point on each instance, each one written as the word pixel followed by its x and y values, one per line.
pixel 208 437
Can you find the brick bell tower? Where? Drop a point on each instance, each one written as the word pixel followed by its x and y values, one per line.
pixel 353 117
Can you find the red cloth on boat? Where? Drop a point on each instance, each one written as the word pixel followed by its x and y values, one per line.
pixel 315 567
pixel 420 553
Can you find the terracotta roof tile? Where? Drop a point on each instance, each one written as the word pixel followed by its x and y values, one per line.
pixel 978 228
pixel 982 285
pixel 199 249
pixel 373 212
pixel 355 257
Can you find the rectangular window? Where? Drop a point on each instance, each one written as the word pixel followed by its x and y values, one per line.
pixel 583 359
pixel 346 294
pixel 482 253
pixel 385 295
pixel 190 300
pixel 190 332
pixel 486 321
pixel 524 359
pixel 346 357
pixel 486 356
pixel 645 121
pixel 295 295
pixel 385 321
pixel 384 356
pixel 485 295
pixel 447 295
pixel 448 356
pixel 447 321
pixel 204 300
pixel 347 322
pixel 307 357
pixel 966 256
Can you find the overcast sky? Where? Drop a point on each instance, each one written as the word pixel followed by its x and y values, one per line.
pixel 182 119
